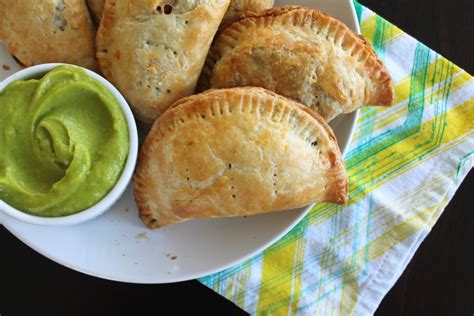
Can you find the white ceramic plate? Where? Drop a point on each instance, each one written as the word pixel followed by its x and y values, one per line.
pixel 118 246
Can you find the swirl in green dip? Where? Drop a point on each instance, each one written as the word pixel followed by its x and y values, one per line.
pixel 63 143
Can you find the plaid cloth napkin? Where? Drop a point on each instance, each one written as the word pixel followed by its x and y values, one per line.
pixel 404 165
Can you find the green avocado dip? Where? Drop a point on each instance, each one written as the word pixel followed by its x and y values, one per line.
pixel 63 143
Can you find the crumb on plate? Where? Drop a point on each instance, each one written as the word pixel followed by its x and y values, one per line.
pixel 143 235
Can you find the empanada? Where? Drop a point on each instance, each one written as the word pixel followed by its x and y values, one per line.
pixel 96 8
pixel 239 7
pixel 303 54
pixel 48 31
pixel 154 51
pixel 234 152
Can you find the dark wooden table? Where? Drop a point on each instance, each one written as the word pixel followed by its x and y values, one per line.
pixel 438 281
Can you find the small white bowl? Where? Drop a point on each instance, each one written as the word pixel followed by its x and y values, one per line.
pixel 127 173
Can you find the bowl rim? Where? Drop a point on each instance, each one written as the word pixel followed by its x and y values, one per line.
pixel 127 172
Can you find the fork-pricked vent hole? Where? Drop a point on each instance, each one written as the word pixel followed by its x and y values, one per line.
pixel 168 9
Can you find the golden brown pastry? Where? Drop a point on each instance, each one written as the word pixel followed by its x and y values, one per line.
pixel 47 31
pixel 237 8
pixel 154 51
pixel 303 54
pixel 234 152
pixel 96 8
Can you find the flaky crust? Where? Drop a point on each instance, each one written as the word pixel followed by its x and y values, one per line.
pixel 47 31
pixel 303 54
pixel 154 51
pixel 237 8
pixel 234 152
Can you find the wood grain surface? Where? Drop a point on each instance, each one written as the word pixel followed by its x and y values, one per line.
pixel 438 281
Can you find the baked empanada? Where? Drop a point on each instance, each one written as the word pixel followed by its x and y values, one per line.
pixel 96 8
pixel 48 31
pixel 234 152
pixel 154 51
pixel 303 54
pixel 239 7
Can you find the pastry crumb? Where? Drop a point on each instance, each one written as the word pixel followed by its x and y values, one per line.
pixel 6 67
pixel 142 236
pixel 172 257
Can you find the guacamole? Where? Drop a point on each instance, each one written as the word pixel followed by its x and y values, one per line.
pixel 63 143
